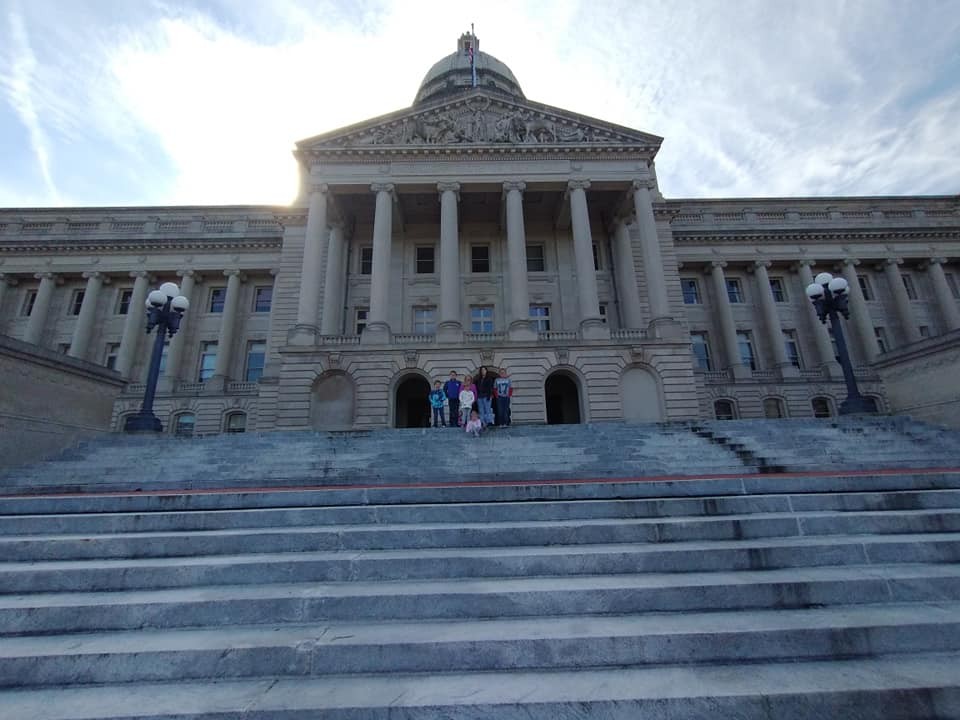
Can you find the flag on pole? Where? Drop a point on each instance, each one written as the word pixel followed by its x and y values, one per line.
pixel 473 59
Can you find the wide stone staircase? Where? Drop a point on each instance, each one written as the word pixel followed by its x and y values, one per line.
pixel 745 569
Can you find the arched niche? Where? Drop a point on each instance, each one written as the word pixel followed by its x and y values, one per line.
pixel 642 399
pixel 563 396
pixel 332 402
pixel 411 404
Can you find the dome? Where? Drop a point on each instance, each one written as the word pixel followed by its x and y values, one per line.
pixel 454 74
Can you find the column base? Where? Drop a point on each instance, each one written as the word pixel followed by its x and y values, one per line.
pixel 666 328
pixel 143 423
pixel 376 333
pixel 740 372
pixel 522 330
pixel 303 335
pixel 450 331
pixel 594 329
pixel 788 371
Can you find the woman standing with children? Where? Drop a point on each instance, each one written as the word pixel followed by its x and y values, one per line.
pixel 472 402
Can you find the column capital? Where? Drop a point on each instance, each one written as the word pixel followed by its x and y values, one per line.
pixel 803 262
pixel 453 187
pixel 517 185
pixel 140 274
pixel 937 261
pixel 49 276
pixel 241 276
pixel 197 277
pixel 382 187
pixel 892 261
pixel 761 264
pixel 718 264
pixel 644 184
pixel 319 188
pixel 9 279
pixel 849 261
pixel 97 274
pixel 578 185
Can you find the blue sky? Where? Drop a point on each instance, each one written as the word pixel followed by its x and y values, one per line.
pixel 136 102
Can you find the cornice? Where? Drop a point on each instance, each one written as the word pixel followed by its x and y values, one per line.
pixel 71 246
pixel 819 235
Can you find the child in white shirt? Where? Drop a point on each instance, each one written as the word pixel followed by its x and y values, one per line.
pixel 467 398
pixel 473 424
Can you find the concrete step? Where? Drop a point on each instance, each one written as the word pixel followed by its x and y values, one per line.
pixel 897 687
pixel 120 522
pixel 449 563
pixel 569 642
pixel 218 606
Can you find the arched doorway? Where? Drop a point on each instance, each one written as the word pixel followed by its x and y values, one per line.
pixel 331 402
pixel 412 404
pixel 641 396
pixel 562 393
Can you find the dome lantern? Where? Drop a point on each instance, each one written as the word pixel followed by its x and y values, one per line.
pixel 465 69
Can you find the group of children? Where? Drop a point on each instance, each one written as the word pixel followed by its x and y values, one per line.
pixel 471 402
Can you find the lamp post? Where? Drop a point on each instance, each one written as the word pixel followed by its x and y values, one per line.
pixel 165 309
pixel 830 299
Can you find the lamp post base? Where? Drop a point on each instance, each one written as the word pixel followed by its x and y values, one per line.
pixel 143 423
pixel 856 406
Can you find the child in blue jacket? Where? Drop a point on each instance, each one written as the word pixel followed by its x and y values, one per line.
pixel 437 401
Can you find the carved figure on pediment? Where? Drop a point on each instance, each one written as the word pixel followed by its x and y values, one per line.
pixel 478 127
pixel 538 130
pixel 443 130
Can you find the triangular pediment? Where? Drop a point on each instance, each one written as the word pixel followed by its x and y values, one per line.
pixel 480 120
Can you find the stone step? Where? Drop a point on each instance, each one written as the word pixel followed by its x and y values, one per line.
pixel 218 606
pixel 119 522
pixel 482 534
pixel 450 563
pixel 569 642
pixel 897 687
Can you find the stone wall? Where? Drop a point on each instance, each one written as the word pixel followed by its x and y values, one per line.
pixel 923 379
pixel 49 402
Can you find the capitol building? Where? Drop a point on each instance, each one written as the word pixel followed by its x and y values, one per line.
pixel 480 228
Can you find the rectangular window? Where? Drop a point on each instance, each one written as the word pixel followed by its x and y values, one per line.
pixel 953 285
pixel 924 331
pixel 745 346
pixel 603 312
pixel 596 257
pixel 63 348
pixel 163 357
pixel 480 258
pixel 865 287
pixel 791 347
pixel 218 296
pixel 256 359
pixel 701 351
pixel 481 318
pixel 909 287
pixel 76 301
pixel 535 259
pixel 779 289
pixel 881 334
pixel 734 290
pixel 691 291
pixel 262 299
pixel 208 360
pixel 28 302
pixel 424 261
pixel 366 260
pixel 124 295
pixel 540 315
pixel 110 356
pixel 425 320
pixel 360 319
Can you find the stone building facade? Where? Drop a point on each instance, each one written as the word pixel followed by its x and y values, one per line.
pixel 481 228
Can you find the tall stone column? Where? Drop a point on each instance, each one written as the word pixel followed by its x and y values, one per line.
pixel 652 258
pixel 41 307
pixel 627 277
pixel 728 328
pixel 908 323
pixel 821 334
pixel 83 331
pixel 591 325
pixel 378 325
pixel 520 327
pixel 945 300
pixel 6 282
pixel 135 323
pixel 228 326
pixel 450 327
pixel 171 375
pixel 333 284
pixel 307 327
pixel 768 308
pixel 860 312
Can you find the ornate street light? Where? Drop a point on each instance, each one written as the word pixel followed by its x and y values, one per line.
pixel 165 309
pixel 829 297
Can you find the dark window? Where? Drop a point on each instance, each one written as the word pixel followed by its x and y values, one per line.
pixel 881 339
pixel 924 331
pixel 123 301
pixel 256 359
pixel 113 349
pixel 262 299
pixel 724 410
pixel 596 257
pixel 425 261
pixel 361 322
pixel 535 259
pixel 908 286
pixel 76 302
pixel 540 315
pixel 791 347
pixel 778 289
pixel 235 423
pixel 163 357
pixel 745 345
pixel 865 287
pixel 208 361
pixel 184 425
pixel 366 260
pixel 691 291
pixel 603 312
pixel 821 407
pixel 773 408
pixel 734 290
pixel 701 351
pixel 218 296
pixel 871 403
pixel 28 302
pixel 481 318
pixel 952 284
pixel 480 258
